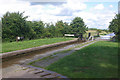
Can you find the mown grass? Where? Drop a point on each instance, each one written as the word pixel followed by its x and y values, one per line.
pixel 98 60
pixel 94 33
pixel 13 46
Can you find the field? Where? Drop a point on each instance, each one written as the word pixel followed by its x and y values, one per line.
pixel 94 33
pixel 12 46
pixel 99 60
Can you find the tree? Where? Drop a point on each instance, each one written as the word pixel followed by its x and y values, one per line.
pixel 78 26
pixel 60 28
pixel 67 28
pixel 92 28
pixel 14 24
pixel 105 30
pixel 31 33
pixel 115 25
pixel 98 32
pixel 38 27
pixel 51 30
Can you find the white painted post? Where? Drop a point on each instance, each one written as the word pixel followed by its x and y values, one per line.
pixel 92 38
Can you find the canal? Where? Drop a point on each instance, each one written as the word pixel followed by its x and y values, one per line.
pixel 12 64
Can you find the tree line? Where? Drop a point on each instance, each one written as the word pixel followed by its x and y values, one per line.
pixel 15 24
pixel 115 26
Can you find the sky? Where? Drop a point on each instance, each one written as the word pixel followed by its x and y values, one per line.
pixel 96 14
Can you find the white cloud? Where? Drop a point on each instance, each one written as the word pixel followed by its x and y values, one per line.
pixel 40 12
pixel 66 12
pixel 67 9
pixel 13 6
pixel 99 7
pixel 35 12
pixel 16 5
pixel 75 5
pixel 97 20
pixel 111 6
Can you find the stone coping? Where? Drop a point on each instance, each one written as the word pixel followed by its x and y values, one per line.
pixel 13 53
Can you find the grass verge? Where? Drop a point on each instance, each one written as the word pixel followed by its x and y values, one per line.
pixel 13 46
pixel 98 60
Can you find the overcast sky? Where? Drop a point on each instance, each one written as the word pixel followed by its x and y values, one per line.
pixel 94 14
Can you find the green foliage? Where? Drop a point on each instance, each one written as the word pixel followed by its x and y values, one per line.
pixel 106 30
pixel 115 25
pixel 98 31
pixel 78 26
pixel 67 28
pixel 60 28
pixel 50 30
pixel 15 24
pixel 92 29
pixel 31 33
pixel 38 27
